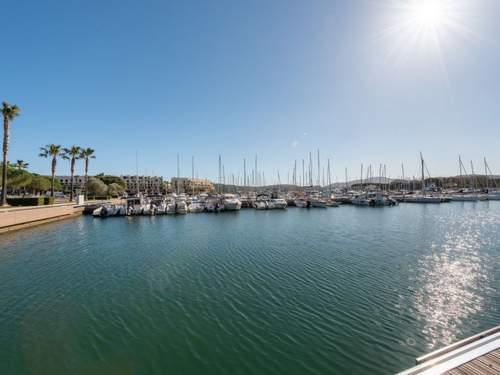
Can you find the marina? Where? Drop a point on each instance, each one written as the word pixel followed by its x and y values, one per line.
pixel 351 290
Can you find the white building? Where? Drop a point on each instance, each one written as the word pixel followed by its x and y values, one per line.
pixel 78 182
pixel 143 184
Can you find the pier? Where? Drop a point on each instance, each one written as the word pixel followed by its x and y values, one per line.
pixel 476 355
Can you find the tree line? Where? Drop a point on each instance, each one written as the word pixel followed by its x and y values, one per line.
pixel 16 178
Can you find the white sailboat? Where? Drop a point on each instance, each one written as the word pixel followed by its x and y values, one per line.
pixel 423 197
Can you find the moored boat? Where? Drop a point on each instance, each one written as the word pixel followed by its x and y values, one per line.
pixel 231 203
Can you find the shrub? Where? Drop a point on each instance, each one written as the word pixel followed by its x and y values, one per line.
pixel 31 201
pixel 48 200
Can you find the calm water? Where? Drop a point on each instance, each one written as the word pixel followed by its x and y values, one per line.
pixel 347 290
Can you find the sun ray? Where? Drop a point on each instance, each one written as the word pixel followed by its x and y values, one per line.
pixel 428 26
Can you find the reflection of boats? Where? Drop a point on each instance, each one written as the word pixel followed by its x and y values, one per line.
pixel 463 197
pixel 422 199
pixel 494 195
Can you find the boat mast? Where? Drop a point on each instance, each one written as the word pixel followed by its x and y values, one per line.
pixel 310 170
pixel 244 172
pixel 319 171
pixel 460 178
pixel 220 175
pixel 423 176
pixel 402 175
pixel 303 173
pixel 329 176
pixel 361 181
pixel 473 181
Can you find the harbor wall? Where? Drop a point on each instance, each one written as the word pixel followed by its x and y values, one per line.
pixel 22 217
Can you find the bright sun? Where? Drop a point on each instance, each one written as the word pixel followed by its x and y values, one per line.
pixel 423 28
pixel 429 13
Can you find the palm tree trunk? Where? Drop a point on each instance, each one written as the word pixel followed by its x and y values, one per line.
pixel 52 182
pixel 72 177
pixel 86 175
pixel 4 161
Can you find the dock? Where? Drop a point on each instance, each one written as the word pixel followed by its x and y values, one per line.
pixel 476 355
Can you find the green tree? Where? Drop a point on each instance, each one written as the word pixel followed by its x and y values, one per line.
pixel 20 164
pixel 40 184
pixel 87 154
pixel 115 190
pixel 107 179
pixel 51 151
pixel 9 112
pixel 96 187
pixel 72 154
pixel 19 179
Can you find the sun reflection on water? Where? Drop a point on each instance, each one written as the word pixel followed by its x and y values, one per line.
pixel 449 284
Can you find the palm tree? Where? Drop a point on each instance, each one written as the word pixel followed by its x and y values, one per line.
pixel 72 154
pixel 51 151
pixel 87 154
pixel 20 165
pixel 9 112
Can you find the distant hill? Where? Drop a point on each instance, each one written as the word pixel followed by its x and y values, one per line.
pixel 445 181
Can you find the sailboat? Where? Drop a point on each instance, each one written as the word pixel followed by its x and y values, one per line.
pixel 493 192
pixel 464 195
pixel 423 197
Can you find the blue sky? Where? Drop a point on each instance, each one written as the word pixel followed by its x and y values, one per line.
pixel 273 78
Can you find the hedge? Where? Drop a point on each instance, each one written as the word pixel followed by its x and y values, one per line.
pixel 48 200
pixel 31 201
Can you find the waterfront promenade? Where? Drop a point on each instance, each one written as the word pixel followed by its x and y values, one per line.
pixel 14 218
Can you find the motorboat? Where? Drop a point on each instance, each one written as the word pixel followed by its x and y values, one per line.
pixel 231 203
pixel 213 204
pixel 260 204
pixel 277 203
pixel 360 200
pixel 196 206
pixel 331 203
pixel 161 208
pixel 180 205
pixel 317 203
pixel 301 203
pixel 97 211
pixel 170 207
pixel 134 206
pixel 106 210
pixel 377 198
